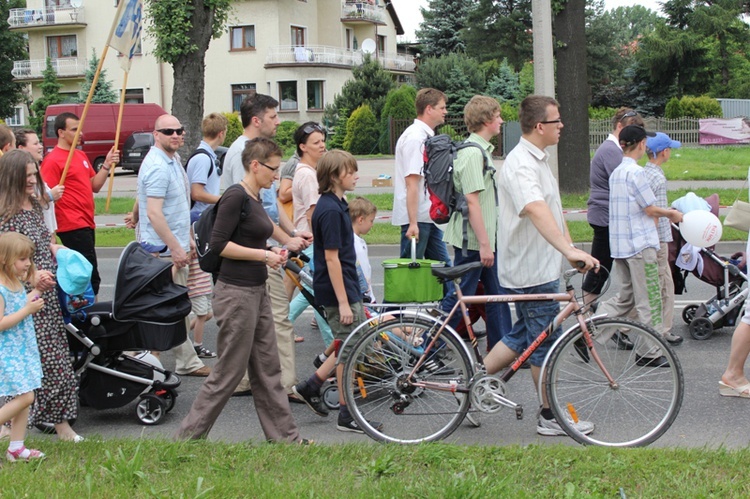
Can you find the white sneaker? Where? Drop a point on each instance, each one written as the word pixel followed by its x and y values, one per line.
pixel 551 428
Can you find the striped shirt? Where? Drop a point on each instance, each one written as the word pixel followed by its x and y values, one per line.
pixel 469 176
pixel 199 283
pixel 631 230
pixel 524 257
pixel 658 183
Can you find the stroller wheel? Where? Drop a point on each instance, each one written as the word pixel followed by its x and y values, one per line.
pixel 701 328
pixel 169 397
pixel 330 395
pixel 688 313
pixel 150 409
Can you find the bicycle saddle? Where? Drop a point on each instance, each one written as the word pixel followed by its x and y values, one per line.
pixel 452 273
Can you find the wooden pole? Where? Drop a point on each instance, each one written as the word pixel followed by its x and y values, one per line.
pixel 117 140
pixel 91 95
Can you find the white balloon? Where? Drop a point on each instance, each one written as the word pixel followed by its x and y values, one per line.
pixel 701 228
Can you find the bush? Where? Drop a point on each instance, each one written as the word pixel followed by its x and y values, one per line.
pixel 285 137
pixel 450 131
pixel 601 113
pixel 700 107
pixel 673 109
pixel 434 72
pixel 234 128
pixel 399 105
pixel 361 131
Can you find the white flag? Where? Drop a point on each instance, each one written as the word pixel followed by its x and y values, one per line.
pixel 127 31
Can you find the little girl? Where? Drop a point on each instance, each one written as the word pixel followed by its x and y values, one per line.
pixel 20 366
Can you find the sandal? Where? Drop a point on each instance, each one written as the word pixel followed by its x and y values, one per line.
pixel 15 456
pixel 726 390
pixel 204 353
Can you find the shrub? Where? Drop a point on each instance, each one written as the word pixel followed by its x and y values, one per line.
pixel 399 105
pixel 234 128
pixel 509 111
pixel 601 113
pixel 700 107
pixel 361 131
pixel 673 109
pixel 450 131
pixel 285 137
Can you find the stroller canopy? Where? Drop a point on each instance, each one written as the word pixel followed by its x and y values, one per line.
pixel 144 290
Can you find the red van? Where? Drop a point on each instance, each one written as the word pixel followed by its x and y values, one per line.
pixel 98 132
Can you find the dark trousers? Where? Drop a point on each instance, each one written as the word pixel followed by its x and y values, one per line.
pixel 84 242
pixel 594 282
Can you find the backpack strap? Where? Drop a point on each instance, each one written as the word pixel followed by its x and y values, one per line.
pixel 462 205
pixel 196 152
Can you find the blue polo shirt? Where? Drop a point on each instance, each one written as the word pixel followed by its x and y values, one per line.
pixel 332 229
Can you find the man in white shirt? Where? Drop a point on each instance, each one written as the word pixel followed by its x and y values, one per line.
pixel 411 207
pixel 532 235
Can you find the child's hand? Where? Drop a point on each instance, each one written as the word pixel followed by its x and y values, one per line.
pixel 45 280
pixel 57 192
pixel 131 220
pixel 34 301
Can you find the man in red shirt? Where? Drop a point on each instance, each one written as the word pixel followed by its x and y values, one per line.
pixel 75 209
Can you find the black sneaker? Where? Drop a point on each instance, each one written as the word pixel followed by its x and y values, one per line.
pixel 622 341
pixel 660 361
pixel 351 426
pixel 311 398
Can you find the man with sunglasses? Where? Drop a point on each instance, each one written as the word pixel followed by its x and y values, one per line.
pixel 261 119
pixel 74 211
pixel 607 157
pixel 164 221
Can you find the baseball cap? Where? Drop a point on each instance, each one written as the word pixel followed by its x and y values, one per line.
pixel 660 142
pixel 73 271
pixel 632 134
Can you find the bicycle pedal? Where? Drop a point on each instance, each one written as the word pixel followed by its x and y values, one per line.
pixel 519 412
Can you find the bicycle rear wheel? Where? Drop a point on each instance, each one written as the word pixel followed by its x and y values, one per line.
pixel 376 388
pixel 637 408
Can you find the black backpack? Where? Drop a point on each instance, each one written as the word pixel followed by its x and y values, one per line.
pixel 195 153
pixel 209 260
pixel 440 153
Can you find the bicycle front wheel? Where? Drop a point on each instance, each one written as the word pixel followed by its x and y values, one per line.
pixel 641 402
pixel 387 404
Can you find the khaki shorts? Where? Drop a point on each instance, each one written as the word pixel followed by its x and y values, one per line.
pixel 342 331
pixel 201 305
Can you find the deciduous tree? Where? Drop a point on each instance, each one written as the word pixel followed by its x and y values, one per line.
pixel 13 49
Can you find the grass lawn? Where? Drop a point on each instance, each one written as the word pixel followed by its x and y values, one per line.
pixel 708 163
pixel 160 468
pixel 117 205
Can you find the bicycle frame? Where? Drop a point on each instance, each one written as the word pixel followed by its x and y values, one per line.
pixel 572 307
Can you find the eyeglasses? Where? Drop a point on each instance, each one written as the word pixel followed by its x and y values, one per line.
pixel 629 114
pixel 171 131
pixel 558 120
pixel 269 167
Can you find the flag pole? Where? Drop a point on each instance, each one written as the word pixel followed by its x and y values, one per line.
pixel 117 140
pixel 91 95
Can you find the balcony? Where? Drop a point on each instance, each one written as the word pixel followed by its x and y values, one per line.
pixel 322 55
pixel 69 67
pixel 364 11
pixel 46 17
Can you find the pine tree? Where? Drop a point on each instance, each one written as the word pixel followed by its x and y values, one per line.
pixel 458 91
pixel 50 95
pixel 440 32
pixel 361 131
pixel 103 92
pixel 504 85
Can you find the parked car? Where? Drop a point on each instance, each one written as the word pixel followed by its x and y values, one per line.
pixel 137 146
pixel 98 131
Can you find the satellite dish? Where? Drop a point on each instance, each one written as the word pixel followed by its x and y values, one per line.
pixel 368 46
pixel 76 4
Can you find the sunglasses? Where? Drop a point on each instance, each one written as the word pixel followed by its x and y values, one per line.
pixel 629 114
pixel 171 131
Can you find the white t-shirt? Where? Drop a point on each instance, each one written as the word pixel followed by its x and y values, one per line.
pixel 363 260
pixel 409 161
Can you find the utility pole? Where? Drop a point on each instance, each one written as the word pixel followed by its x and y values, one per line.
pixel 544 60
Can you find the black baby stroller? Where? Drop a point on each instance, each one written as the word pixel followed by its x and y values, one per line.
pixel 148 313
pixel 728 276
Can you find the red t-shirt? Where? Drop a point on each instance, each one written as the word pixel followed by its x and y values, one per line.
pixel 75 209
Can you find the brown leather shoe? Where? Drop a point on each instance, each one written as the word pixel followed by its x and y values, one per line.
pixel 201 373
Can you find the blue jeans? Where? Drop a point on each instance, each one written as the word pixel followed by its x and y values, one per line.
pixel 430 246
pixel 299 303
pixel 498 314
pixel 533 317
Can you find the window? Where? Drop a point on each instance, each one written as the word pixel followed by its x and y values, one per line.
pixel 315 95
pixel 348 39
pixel 381 44
pixel 288 95
pixel 298 36
pixel 17 119
pixel 134 96
pixel 239 92
pixel 242 38
pixel 62 46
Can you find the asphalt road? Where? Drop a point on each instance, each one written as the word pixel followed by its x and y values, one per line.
pixel 706 419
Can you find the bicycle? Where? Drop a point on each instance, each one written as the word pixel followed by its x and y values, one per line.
pixel 422 392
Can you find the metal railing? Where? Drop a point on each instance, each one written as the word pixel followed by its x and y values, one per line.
pixel 323 54
pixel 65 67
pixel 362 11
pixel 45 16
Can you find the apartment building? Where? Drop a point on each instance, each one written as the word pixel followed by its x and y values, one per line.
pixel 299 51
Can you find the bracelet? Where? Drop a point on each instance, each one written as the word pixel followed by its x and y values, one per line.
pixel 294 232
pixel 266 256
pixel 105 168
